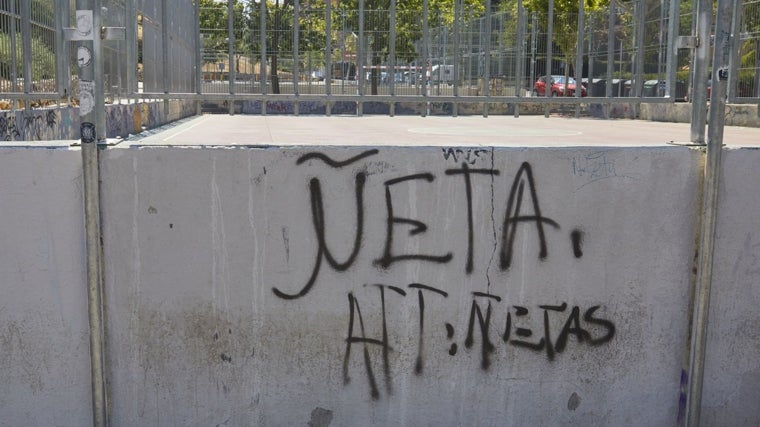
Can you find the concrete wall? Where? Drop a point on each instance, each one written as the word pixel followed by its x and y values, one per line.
pixel 389 286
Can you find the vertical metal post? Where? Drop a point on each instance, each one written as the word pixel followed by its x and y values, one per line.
pixel 26 37
pixel 425 56
pixel 487 59
pixel 579 56
pixel 671 64
pixel 638 70
pixel 61 47
pixel 533 47
pixel 328 54
pixel 549 42
pixel 458 22
pixel 520 54
pixel 736 18
pixel 91 106
pixel 610 56
pixel 198 54
pixel 263 43
pixel 392 58
pixel 14 50
pixel 231 73
pixel 131 46
pixel 296 41
pixel 360 60
pixel 699 78
pixel 721 60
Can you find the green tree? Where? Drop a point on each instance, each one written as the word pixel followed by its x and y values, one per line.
pixel 214 24
pixel 43 58
pixel 565 23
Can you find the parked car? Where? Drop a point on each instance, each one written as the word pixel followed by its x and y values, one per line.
pixel 557 86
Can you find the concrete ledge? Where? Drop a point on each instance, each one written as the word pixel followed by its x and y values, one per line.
pixel 736 114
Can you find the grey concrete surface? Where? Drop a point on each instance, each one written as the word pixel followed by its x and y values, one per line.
pixel 507 131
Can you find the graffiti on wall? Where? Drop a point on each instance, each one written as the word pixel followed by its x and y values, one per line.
pixel 545 328
pixel 28 125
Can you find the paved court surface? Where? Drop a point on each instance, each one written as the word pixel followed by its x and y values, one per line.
pixel 524 131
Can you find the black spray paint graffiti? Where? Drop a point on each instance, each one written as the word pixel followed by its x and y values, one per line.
pixel 515 326
pixel 513 218
pixel 518 331
pixel 26 125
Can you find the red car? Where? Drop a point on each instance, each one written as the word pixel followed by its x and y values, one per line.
pixel 557 86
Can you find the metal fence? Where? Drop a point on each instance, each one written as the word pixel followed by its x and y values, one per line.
pixel 632 51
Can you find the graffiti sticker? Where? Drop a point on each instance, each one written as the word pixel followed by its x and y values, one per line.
pixel 87 131
pixel 86 97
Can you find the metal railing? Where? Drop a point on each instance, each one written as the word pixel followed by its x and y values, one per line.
pixel 316 51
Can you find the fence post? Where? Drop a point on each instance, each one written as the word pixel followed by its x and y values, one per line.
pixel 87 34
pixel 698 93
pixel 701 309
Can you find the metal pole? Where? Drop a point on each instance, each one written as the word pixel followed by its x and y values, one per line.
pixel 425 55
pixel 610 56
pixel 458 22
pixel 296 41
pixel 392 58
pixel 733 73
pixel 520 54
pixel 487 59
pixel 231 73
pixel 579 56
pixel 91 103
pixel 548 65
pixel 62 48
pixel 328 53
pixel 14 49
pixel 26 36
pixel 671 64
pixel 360 60
pixel 701 65
pixel 198 53
pixel 263 42
pixel 721 63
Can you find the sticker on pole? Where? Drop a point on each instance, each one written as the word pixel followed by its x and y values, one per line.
pixel 84 56
pixel 84 25
pixel 86 97
pixel 87 132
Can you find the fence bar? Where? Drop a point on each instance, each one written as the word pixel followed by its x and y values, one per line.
pixel 671 64
pixel 486 77
pixel 61 47
pixel 130 13
pixel 328 53
pixel 549 41
pixel 198 44
pixel 425 57
pixel 296 40
pixel 392 57
pixel 91 104
pixel 26 38
pixel 520 54
pixel 458 21
pixel 721 62
pixel 263 61
pixel 231 76
pixel 360 52
pixel 698 93
pixel 579 57
pixel 735 61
